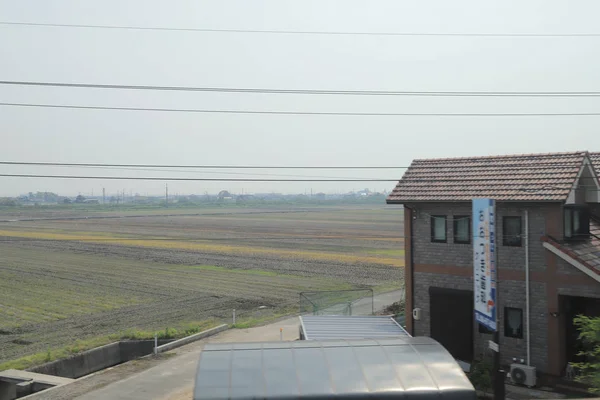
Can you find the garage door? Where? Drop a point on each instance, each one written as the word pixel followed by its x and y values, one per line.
pixel 451 322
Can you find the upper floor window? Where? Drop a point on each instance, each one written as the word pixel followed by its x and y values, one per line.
pixel 438 228
pixel 577 222
pixel 511 231
pixel 462 229
pixel 513 322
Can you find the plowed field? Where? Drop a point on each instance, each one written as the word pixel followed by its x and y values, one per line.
pixel 63 280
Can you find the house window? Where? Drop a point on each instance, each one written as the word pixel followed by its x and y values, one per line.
pixel 577 222
pixel 485 329
pixel 438 228
pixel 462 229
pixel 511 227
pixel 513 322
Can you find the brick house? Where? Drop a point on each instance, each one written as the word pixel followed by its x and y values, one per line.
pixel 547 212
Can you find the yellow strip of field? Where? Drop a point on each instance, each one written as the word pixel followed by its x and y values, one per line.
pixel 203 246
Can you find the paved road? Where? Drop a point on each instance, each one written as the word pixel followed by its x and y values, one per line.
pixel 364 307
pixel 174 379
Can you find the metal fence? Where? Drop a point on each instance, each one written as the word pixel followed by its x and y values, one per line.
pixel 338 302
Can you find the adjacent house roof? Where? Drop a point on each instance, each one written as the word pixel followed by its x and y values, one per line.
pixel 323 327
pixel 584 255
pixel 595 157
pixel 528 177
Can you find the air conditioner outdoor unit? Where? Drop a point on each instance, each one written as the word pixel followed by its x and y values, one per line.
pixel 522 374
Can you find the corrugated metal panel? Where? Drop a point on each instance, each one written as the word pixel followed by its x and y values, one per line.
pixel 323 327
pixel 401 368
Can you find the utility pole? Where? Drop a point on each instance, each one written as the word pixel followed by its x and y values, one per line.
pixel 166 195
pixel 498 375
pixel 103 195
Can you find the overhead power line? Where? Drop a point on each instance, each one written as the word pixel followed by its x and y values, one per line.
pixel 225 173
pixel 58 164
pixel 301 32
pixel 273 112
pixel 190 179
pixel 492 164
pixel 16 238
pixel 154 178
pixel 308 91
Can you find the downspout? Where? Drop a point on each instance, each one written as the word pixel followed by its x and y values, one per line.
pixel 527 285
pixel 412 270
pixel 412 265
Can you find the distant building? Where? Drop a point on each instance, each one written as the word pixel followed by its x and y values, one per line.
pixel 224 195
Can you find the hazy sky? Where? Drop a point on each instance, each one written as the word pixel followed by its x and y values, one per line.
pixel 252 60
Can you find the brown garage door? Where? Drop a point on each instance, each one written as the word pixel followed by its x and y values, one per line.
pixel 451 322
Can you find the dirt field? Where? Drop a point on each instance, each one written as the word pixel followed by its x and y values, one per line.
pixel 63 280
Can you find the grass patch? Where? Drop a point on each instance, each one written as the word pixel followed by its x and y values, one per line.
pixel 389 287
pixel 56 354
pixel 258 272
pixel 80 346
pixel 250 322
pixel 178 332
pixel 387 252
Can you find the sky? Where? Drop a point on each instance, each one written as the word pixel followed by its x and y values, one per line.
pixel 287 61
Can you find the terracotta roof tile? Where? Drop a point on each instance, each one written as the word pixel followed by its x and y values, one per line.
pixel 595 157
pixel 588 251
pixel 528 177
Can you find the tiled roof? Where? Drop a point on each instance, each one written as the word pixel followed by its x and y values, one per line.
pixel 528 177
pixel 586 252
pixel 595 157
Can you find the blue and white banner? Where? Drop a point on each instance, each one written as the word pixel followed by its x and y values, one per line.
pixel 484 261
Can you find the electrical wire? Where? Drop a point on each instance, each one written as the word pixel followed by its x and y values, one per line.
pixel 442 163
pixel 271 112
pixel 187 240
pixel 155 178
pixel 225 173
pixel 301 32
pixel 145 178
pixel 195 166
pixel 307 91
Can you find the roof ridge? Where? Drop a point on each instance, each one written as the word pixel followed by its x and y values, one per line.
pixel 505 156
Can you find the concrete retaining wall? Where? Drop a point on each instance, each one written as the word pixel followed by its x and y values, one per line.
pixel 192 338
pixel 83 364
pixel 97 359
pixel 132 349
pixel 122 351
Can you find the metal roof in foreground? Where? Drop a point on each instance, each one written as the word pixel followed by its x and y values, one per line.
pixel 401 368
pixel 323 327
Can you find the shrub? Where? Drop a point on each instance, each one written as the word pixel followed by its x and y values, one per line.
pixel 480 375
pixel 589 335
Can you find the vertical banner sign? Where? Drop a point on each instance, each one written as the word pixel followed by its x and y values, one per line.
pixel 484 261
